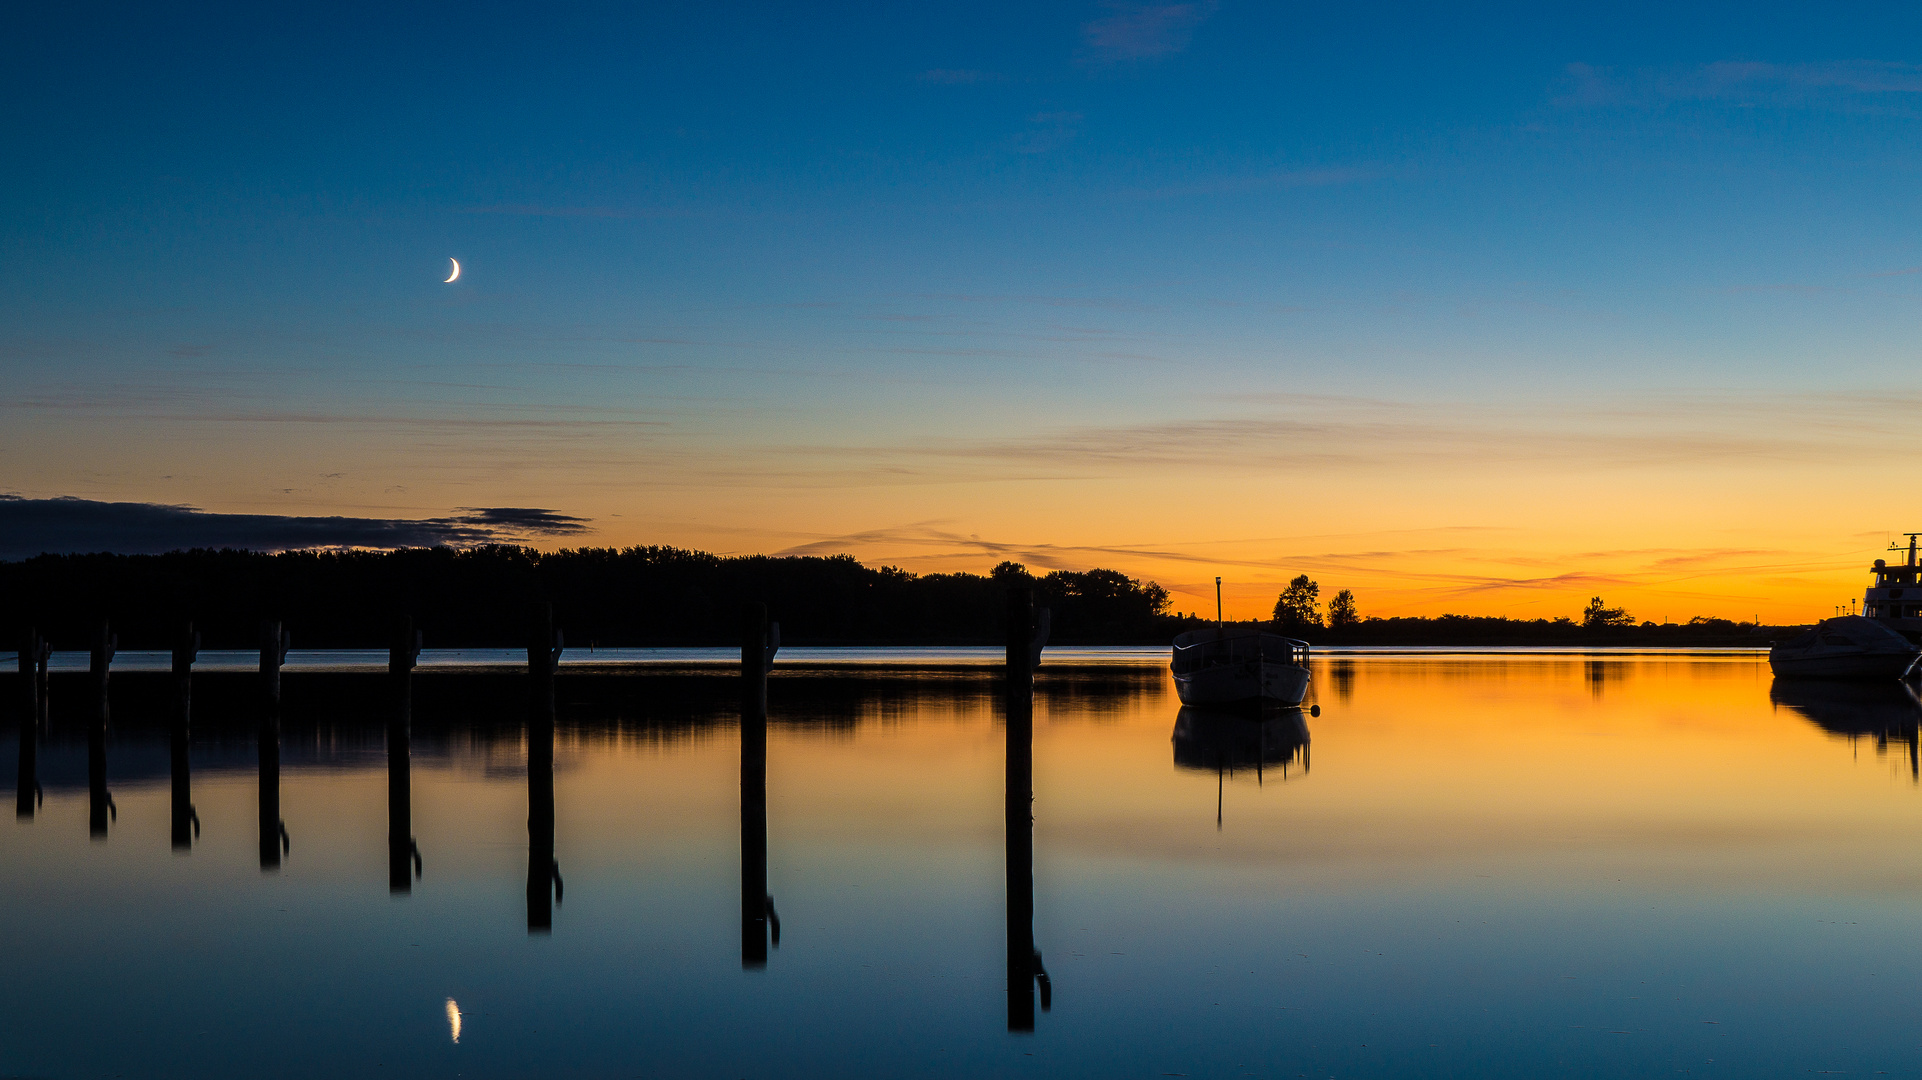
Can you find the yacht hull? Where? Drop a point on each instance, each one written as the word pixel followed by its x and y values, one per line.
pixel 1856 666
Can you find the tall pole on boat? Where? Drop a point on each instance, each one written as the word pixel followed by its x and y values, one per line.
pixel 1217 603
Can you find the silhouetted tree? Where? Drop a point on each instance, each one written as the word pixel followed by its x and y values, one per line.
pixel 1011 573
pixel 1298 608
pixel 1596 615
pixel 1341 610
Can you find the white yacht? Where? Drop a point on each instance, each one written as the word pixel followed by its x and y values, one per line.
pixel 1845 647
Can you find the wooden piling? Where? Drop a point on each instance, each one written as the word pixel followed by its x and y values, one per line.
pixel 40 662
pixel 100 806
pixel 99 660
pixel 274 842
pixel 28 660
pixel 27 782
pixel 403 857
pixel 755 901
pixel 1025 636
pixel 274 642
pixel 544 644
pixel 185 822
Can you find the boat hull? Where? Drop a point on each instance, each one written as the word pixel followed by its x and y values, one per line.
pixel 1850 666
pixel 1244 683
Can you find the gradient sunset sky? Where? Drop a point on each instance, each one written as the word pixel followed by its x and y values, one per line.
pixel 1484 311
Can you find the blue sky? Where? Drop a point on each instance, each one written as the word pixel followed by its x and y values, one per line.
pixel 716 257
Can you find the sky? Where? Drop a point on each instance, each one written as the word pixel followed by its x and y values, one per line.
pixel 1485 311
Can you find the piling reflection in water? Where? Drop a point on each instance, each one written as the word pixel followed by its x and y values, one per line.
pixel 1883 712
pixel 186 823
pixel 1025 970
pixel 403 855
pixel 543 872
pixel 274 841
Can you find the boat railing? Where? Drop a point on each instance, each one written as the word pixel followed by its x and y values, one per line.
pixel 1211 651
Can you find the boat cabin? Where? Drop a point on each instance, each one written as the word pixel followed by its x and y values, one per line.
pixel 1895 597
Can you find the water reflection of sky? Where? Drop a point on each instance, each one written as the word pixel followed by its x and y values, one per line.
pixel 1523 866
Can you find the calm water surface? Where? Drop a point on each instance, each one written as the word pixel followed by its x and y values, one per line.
pixel 1465 865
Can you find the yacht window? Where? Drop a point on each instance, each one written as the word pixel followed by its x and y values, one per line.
pixel 1835 639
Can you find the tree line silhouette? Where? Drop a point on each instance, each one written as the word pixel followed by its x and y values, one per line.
pixel 638 596
pixel 1297 614
pixel 662 596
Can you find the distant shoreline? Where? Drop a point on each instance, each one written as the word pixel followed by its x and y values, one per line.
pixel 240 662
pixel 659 597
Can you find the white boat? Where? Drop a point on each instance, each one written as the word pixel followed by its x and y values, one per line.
pixel 1218 667
pixel 1849 647
pixel 1215 667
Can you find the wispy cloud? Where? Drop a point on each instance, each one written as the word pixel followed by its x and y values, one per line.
pixel 959 76
pixel 1431 574
pixel 1350 433
pixel 1144 31
pixel 1047 131
pixel 538 210
pixel 519 522
pixel 1849 84
pixel 1303 177
pixel 1263 444
pixel 30 527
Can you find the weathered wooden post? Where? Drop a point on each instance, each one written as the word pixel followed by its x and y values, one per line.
pixel 544 644
pixel 99 802
pixel 274 841
pixel 186 823
pixel 29 659
pixel 40 662
pixel 403 857
pixel 1026 634
pixel 274 642
pixel 27 785
pixel 759 641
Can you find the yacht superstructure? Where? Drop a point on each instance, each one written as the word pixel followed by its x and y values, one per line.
pixel 1895 598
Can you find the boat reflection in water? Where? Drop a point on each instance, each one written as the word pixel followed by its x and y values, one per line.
pixel 1225 741
pixel 1887 712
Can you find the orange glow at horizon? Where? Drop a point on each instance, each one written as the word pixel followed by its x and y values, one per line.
pixel 1670 509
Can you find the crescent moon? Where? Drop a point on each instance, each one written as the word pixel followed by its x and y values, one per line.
pixel 455 274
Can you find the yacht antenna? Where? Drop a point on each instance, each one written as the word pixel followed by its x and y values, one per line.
pixel 1218 596
pixel 1898 547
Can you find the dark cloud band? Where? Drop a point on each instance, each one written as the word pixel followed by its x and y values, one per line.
pixel 30 527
